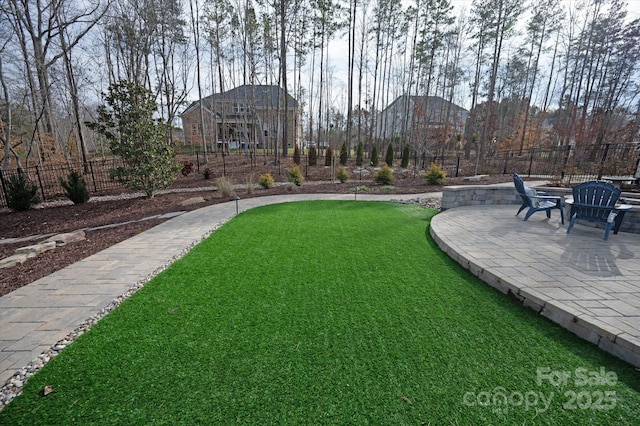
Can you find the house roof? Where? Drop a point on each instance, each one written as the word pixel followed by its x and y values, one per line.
pixel 433 102
pixel 263 96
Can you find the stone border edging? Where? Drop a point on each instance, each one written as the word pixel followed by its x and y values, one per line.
pixel 590 329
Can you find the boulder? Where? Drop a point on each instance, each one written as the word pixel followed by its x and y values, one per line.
pixel 36 249
pixel 14 260
pixel 191 201
pixel 69 237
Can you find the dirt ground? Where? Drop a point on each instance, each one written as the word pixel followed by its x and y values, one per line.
pixel 54 218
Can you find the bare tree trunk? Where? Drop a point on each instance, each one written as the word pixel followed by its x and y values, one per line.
pixel 73 92
pixel 195 26
pixel 283 73
pixel 7 124
pixel 351 60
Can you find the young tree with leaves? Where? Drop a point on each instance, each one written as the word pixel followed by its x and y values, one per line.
pixel 127 122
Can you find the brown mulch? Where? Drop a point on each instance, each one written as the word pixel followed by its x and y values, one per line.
pixel 67 218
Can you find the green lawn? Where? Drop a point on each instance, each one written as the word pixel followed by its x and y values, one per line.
pixel 326 313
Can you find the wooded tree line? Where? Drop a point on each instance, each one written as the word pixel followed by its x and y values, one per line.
pixel 531 73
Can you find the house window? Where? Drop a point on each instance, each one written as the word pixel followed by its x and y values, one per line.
pixel 238 107
pixel 194 128
pixel 266 133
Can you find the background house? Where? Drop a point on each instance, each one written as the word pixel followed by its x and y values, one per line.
pixel 421 120
pixel 245 117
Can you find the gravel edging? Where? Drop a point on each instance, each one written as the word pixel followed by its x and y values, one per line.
pixel 13 387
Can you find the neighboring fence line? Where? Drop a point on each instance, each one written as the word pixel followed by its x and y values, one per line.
pixel 566 163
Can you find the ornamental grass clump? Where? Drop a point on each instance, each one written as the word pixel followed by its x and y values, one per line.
pixel 224 186
pixel 75 188
pixel 266 181
pixel 384 175
pixel 250 184
pixel 435 175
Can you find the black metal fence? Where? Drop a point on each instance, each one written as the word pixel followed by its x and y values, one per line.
pixel 567 164
pixel 47 178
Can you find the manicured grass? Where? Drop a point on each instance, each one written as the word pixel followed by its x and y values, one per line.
pixel 326 313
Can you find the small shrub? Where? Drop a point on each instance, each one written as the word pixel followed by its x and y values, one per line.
pixel 384 175
pixel 359 154
pixel 389 157
pixel 75 188
pixel 295 175
pixel 224 186
pixel 187 168
pixel 21 194
pixel 313 156
pixel 435 175
pixel 328 156
pixel 374 156
pixel 405 157
pixel 344 154
pixel 266 181
pixel 342 175
pixel 207 173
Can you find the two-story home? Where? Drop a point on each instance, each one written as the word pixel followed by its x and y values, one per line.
pixel 249 115
pixel 420 118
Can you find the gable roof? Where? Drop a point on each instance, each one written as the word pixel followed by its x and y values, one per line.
pixel 433 102
pixel 264 96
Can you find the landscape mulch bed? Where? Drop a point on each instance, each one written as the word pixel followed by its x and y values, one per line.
pixel 55 218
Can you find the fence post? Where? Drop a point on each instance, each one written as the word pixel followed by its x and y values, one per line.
pixel 533 151
pixel 4 186
pixel 506 160
pixel 93 177
pixel 40 183
pixel 604 158
pixel 566 161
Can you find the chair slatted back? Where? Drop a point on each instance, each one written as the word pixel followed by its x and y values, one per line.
pixel 588 196
pixel 519 183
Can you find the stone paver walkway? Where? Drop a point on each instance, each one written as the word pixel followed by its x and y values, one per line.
pixel 585 284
